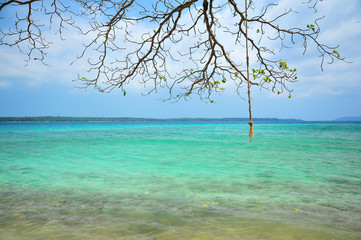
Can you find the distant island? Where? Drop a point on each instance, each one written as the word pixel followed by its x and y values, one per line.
pixel 131 119
pixel 348 119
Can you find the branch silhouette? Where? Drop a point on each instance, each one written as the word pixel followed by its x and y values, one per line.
pixel 188 46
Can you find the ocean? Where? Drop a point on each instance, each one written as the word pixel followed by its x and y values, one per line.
pixel 180 181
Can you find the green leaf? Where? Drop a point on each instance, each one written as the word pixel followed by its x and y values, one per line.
pixel 257 30
pixel 289 96
pixel 311 27
pixel 154 31
pixel 216 82
pixel 124 93
pixel 177 95
pixel 212 101
pixel 83 78
pixel 267 79
pixel 335 51
pixel 192 69
pixel 224 80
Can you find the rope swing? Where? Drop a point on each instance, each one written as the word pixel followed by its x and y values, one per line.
pixel 249 84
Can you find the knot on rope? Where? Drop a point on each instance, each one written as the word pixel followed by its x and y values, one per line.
pixel 250 123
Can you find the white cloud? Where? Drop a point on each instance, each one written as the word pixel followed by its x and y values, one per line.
pixel 317 92
pixel 5 83
pixel 339 27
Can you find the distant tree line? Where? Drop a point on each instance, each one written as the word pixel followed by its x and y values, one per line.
pixel 130 119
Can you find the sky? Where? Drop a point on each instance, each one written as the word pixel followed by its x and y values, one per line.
pixel 38 90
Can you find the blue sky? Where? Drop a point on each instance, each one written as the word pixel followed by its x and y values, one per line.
pixel 37 90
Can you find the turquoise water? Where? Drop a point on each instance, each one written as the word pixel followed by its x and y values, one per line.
pixel 179 181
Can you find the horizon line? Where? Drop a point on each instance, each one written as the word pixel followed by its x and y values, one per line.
pixel 234 119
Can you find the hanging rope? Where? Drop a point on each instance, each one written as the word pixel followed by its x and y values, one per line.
pixel 249 84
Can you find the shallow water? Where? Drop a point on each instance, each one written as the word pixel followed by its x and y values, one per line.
pixel 179 181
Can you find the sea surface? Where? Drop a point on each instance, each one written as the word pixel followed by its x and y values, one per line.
pixel 180 181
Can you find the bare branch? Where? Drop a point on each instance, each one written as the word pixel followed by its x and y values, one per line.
pixel 183 46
